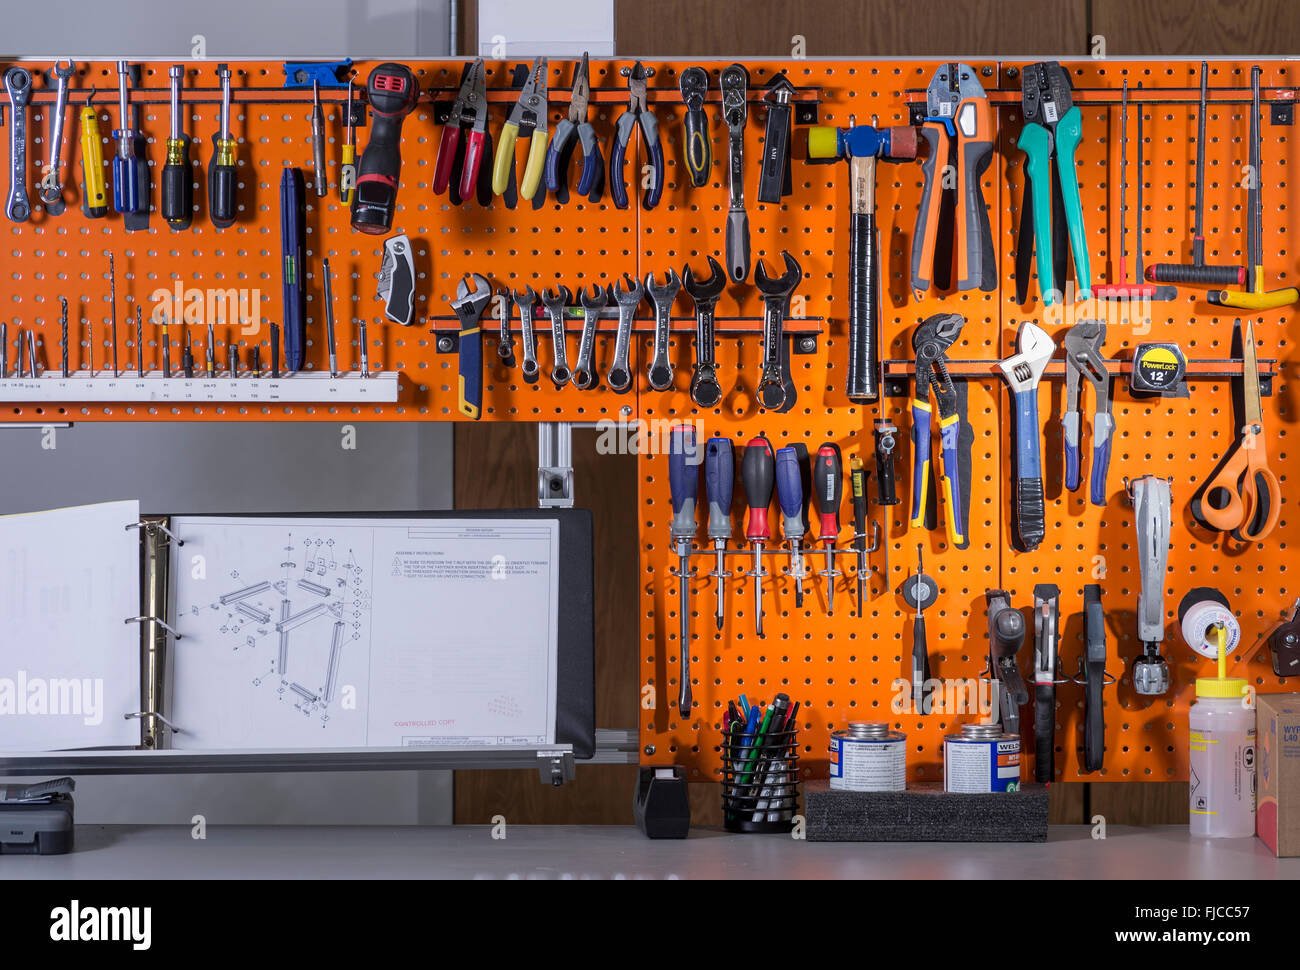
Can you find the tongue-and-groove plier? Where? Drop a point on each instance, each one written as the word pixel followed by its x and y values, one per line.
pixel 529 111
pixel 576 124
pixel 468 113
pixel 956 110
pixel 931 342
pixel 1053 129
pixel 1083 360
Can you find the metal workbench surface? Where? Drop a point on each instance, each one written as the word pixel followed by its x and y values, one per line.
pixel 584 852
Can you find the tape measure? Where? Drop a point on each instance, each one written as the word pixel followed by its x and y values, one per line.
pixel 1158 368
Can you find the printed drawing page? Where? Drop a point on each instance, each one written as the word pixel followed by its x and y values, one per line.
pixel 353 632
pixel 69 663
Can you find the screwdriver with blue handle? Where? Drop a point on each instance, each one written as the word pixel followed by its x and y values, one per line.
pixel 126 196
pixel 683 484
pixel 789 493
pixel 719 481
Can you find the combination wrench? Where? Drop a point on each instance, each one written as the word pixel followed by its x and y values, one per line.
pixel 661 368
pixel 584 372
pixel 526 302
pixel 705 389
pixel 18 82
pixel 51 187
pixel 619 375
pixel 506 340
pixel 556 302
pixel 772 391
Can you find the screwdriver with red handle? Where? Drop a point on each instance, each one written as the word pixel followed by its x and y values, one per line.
pixel 828 486
pixel 758 473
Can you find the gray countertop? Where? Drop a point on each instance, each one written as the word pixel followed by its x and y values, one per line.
pixel 582 852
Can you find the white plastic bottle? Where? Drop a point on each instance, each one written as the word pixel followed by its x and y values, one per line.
pixel 1222 759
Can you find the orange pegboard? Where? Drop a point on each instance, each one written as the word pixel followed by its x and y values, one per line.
pixel 839 667
pixel 842 667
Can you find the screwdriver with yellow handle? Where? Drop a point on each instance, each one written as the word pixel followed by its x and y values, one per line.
pixel 348 169
pixel 1256 298
pixel 530 109
pixel 95 197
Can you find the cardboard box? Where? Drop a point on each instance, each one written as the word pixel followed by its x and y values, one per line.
pixel 1277 804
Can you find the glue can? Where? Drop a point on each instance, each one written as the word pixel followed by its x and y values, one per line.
pixel 1222 755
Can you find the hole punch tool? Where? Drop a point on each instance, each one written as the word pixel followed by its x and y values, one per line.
pixel 1023 371
pixel 773 388
pixel 469 114
pixel 1052 132
pixel 697 147
pixel 705 389
pixel 1243 497
pixel 957 119
pixel 527 118
pixel 930 343
pixel 468 307
pixel 636 113
pixel 1153 518
pixel 1083 360
pixel 576 131
pixel 628 296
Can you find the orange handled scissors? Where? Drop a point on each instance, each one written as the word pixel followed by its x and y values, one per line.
pixel 1244 496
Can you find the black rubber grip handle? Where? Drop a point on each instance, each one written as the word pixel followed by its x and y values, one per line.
pixel 1044 732
pixel 1094 723
pixel 776 154
pixel 886 493
pixel 698 151
pixel 176 194
pixel 1204 275
pixel 1030 515
pixel 223 180
pixel 864 310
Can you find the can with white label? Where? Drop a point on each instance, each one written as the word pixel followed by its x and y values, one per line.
pixel 868 757
pixel 980 760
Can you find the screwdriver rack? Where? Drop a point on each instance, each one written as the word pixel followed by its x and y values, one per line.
pixel 840 667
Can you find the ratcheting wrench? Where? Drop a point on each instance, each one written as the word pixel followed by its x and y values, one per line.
pixel 1022 372
pixel 584 372
pixel 661 368
pixel 619 375
pixel 734 82
pixel 705 389
pixel 776 295
pixel 526 302
pixel 556 302
pixel 18 82
pixel 1083 359
pixel 51 187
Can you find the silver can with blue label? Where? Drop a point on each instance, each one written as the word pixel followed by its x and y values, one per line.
pixel 868 757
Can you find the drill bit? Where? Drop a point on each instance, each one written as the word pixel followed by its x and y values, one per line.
pixel 31 353
pixel 365 359
pixel 167 348
pixel 232 360
pixel 275 352
pixel 318 140
pixel 187 355
pixel 63 326
pixel 4 350
pixel 210 354
pixel 112 289
pixel 329 320
pixel 139 341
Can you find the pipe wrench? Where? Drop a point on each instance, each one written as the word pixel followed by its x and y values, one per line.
pixel 931 342
pixel 1083 359
pixel 957 116
pixel 1022 372
pixel 1053 129
pixel 1047 674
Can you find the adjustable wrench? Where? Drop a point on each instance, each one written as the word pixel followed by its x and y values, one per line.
pixel 1023 371
pixel 705 389
pixel 619 375
pixel 661 368
pixel 556 302
pixel 584 373
pixel 18 82
pixel 526 302
pixel 776 295
pixel 734 82
pixel 468 306
pixel 51 188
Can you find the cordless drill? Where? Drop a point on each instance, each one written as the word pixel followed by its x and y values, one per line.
pixel 392 92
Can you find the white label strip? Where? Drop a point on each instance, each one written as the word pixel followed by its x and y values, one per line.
pixel 305 388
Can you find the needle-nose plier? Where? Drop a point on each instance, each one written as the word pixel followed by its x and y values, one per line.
pixel 558 156
pixel 636 112
pixel 1053 129
pixel 931 342
pixel 469 112
pixel 531 111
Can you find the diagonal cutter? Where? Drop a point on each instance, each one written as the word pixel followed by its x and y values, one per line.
pixel 931 342
pixel 1083 360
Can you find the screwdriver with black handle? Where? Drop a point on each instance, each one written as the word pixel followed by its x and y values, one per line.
pixel 719 482
pixel 683 484
pixel 223 176
pixel 757 473
pixel 177 192
pixel 828 487
pixel 789 494
pixel 858 483
pixel 392 91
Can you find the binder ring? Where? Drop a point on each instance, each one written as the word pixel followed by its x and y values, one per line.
pixel 148 619
pixel 143 714
pixel 157 525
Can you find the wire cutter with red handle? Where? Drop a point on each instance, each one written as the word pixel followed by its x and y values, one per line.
pixel 469 112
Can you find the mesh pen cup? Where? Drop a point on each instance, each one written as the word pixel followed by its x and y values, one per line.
pixel 760 781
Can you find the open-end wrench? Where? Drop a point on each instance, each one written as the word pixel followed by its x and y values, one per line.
pixel 526 303
pixel 776 295
pixel 705 389
pixel 584 372
pixel 619 375
pixel 1023 371
pixel 51 187
pixel 18 82
pixel 661 368
pixel 505 339
pixel 556 302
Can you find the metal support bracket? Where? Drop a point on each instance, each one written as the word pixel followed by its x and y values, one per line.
pixel 555 769
pixel 554 465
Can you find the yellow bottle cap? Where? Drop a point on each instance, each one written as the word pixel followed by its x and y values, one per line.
pixel 1226 687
